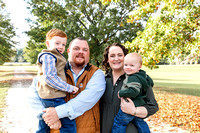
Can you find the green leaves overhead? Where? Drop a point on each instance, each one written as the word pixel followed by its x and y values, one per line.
pixel 171 34
pixel 100 24
pixel 171 31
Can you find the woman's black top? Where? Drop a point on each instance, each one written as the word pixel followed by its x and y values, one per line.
pixel 110 104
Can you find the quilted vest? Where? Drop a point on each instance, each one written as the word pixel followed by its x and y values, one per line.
pixel 44 90
pixel 89 122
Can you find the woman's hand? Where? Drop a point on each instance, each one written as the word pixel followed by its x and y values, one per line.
pixel 50 117
pixel 128 107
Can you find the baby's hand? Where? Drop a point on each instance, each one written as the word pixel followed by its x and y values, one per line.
pixel 75 90
pixel 56 125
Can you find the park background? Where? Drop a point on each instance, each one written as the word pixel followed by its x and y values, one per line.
pixel 165 32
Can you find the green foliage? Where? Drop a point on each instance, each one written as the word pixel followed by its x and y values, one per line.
pixel 100 24
pixel 169 34
pixel 172 31
pixel 19 56
pixel 6 34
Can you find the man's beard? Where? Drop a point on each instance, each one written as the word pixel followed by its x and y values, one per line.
pixel 78 63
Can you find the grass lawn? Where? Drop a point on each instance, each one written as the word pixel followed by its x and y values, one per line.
pixel 183 79
pixel 180 110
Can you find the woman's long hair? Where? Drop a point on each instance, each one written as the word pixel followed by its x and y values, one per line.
pixel 105 64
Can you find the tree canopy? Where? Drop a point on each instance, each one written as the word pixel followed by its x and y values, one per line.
pixel 6 34
pixel 172 31
pixel 100 24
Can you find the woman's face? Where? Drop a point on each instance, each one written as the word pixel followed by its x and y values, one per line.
pixel 116 58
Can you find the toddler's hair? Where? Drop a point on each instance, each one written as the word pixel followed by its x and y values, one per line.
pixel 55 32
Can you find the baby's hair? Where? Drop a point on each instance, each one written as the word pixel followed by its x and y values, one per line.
pixel 137 56
pixel 55 32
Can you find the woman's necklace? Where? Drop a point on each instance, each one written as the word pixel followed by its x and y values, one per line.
pixel 116 76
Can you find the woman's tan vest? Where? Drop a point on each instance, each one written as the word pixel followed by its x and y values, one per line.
pixel 89 122
pixel 44 90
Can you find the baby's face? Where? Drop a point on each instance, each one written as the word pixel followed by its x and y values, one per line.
pixel 131 65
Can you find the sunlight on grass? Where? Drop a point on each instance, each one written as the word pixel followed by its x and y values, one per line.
pixel 32 68
pixel 182 79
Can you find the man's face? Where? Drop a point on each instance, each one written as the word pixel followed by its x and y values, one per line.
pixel 78 53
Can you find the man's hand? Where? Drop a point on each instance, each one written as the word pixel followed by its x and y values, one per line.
pixel 75 90
pixel 56 125
pixel 50 117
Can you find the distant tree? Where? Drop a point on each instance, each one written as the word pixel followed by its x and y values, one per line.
pixel 172 30
pixel 100 24
pixel 19 56
pixel 6 34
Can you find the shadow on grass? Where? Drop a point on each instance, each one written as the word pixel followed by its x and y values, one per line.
pixel 185 91
pixel 159 79
pixel 26 81
pixel 6 70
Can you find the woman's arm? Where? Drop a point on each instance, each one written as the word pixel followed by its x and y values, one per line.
pixel 151 103
pixel 150 108
pixel 129 108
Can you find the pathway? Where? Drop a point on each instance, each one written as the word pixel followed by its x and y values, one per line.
pixel 18 116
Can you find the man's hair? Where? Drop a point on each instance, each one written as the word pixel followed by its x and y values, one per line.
pixel 78 38
pixel 55 32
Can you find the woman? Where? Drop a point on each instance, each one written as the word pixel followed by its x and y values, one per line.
pixel 110 103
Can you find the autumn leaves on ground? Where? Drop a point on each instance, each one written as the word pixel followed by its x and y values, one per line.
pixel 178 110
pixel 181 111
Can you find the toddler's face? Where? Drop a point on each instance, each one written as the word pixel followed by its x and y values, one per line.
pixel 58 43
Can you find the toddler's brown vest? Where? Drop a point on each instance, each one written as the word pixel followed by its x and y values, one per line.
pixel 44 90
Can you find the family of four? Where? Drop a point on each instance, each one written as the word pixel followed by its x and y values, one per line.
pixel 75 96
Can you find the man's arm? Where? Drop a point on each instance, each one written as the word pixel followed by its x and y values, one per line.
pixel 50 74
pixel 81 103
pixel 86 99
pixel 33 97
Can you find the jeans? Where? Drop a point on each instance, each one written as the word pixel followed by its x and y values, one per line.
pixel 68 126
pixel 122 119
